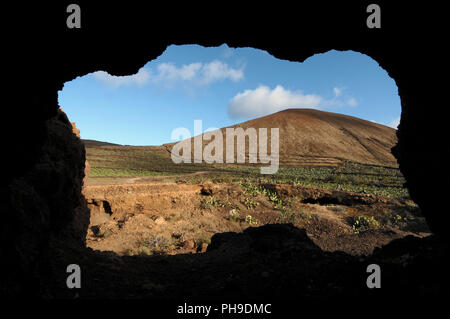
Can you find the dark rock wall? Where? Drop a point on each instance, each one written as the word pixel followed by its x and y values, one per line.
pixel 43 204
pixel 45 162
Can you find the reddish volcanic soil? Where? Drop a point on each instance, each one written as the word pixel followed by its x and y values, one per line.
pixel 125 217
pixel 313 137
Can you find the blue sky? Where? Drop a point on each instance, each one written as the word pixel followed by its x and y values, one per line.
pixel 223 86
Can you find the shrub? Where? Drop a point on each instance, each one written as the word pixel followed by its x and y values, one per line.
pixel 252 189
pixel 234 216
pixel 287 216
pixel 250 204
pixel 210 202
pixel 279 204
pixel 251 220
pixel 363 223
pixel 157 244
pixel 398 221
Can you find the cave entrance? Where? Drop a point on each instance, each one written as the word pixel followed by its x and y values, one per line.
pixel 337 178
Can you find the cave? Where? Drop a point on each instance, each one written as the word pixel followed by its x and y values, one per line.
pixel 42 203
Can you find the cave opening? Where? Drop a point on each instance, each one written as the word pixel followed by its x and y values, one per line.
pixel 45 219
pixel 337 112
pixel 265 261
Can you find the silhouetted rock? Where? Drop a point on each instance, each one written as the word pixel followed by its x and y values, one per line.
pixel 46 202
pixel 42 199
pixel 263 239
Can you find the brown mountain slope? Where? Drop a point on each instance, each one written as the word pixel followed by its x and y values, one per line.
pixel 94 143
pixel 313 137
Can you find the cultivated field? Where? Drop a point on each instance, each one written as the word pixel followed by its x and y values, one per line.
pixel 143 203
pixel 337 180
pixel 115 164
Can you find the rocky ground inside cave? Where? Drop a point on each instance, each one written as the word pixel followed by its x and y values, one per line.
pixel 315 254
pixel 271 262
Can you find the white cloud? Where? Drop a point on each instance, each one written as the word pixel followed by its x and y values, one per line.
pixel 169 72
pixel 263 100
pixel 198 73
pixel 337 91
pixel 394 123
pixel 352 102
pixel 217 70
pixel 139 78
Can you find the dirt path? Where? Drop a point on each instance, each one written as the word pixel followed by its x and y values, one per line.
pixel 137 180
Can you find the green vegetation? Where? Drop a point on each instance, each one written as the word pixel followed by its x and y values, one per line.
pixel 288 216
pixel 123 161
pixel 363 223
pixel 253 189
pixel 213 202
pixel 210 202
pixel 250 204
pixel 251 220
pixel 118 172
pixel 397 220
pixel 228 203
pixel 235 217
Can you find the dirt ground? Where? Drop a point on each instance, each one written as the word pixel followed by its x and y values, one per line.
pixel 183 242
pixel 139 217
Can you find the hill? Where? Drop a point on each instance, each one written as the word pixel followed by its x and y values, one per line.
pixel 93 143
pixel 318 138
pixel 317 149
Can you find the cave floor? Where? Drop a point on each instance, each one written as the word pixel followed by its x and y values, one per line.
pixel 315 254
pixel 251 265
